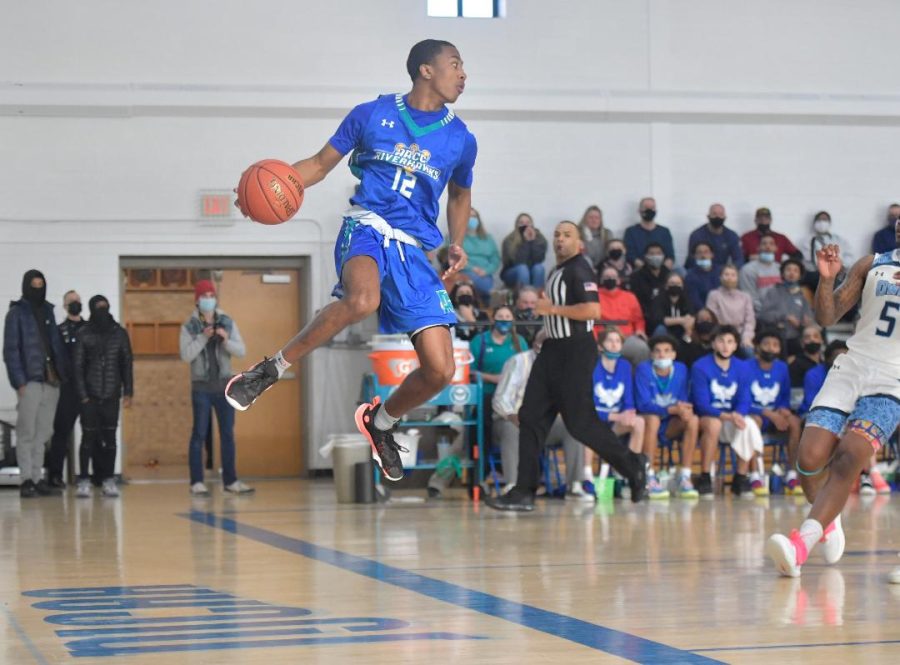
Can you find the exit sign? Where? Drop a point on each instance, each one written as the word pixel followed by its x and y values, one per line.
pixel 216 204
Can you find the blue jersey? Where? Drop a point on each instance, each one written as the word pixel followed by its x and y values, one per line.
pixel 613 390
pixel 813 381
pixel 654 394
pixel 404 159
pixel 714 390
pixel 769 389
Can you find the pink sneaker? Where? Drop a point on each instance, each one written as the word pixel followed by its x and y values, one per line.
pixel 788 554
pixel 879 483
pixel 833 542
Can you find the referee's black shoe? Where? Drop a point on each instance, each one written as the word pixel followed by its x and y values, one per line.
pixel 638 479
pixel 517 500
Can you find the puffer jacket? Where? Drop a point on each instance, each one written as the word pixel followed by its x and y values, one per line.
pixel 23 351
pixel 103 363
pixel 193 342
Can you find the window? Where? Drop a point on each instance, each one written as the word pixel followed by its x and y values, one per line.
pixel 465 8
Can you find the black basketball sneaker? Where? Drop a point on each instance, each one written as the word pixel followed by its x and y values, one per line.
pixel 385 450
pixel 246 387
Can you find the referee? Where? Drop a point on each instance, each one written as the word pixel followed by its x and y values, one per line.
pixel 561 378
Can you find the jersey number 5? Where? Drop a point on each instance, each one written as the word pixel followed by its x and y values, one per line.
pixel 889 318
pixel 402 184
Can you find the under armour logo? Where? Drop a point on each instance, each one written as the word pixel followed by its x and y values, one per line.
pixel 387 123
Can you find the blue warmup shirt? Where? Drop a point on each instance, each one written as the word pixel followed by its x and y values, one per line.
pixel 404 159
pixel 654 394
pixel 714 390
pixel 769 389
pixel 813 381
pixel 613 390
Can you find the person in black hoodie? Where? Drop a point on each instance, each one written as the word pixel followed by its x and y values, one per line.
pixel 35 363
pixel 670 312
pixel 104 372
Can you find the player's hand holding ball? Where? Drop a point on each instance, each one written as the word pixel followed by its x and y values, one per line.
pixel 270 192
pixel 828 261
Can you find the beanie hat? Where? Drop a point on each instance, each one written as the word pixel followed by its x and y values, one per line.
pixel 203 286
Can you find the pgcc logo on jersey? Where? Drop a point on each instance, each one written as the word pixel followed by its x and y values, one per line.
pixel 410 158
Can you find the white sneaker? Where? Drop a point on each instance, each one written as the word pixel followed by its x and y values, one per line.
pixel 894 577
pixel 787 553
pixel 237 487
pixel 199 489
pixel 577 493
pixel 83 491
pixel 109 488
pixel 833 542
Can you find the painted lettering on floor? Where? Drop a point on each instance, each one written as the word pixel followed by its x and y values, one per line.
pixel 130 620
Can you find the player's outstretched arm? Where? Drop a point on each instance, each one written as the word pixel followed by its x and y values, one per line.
pixel 459 207
pixel 314 169
pixel 830 303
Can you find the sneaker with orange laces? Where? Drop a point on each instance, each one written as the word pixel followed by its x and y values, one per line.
pixel 385 451
pixel 787 553
pixel 879 483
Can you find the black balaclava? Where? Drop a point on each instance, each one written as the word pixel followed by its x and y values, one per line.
pixel 100 316
pixel 35 297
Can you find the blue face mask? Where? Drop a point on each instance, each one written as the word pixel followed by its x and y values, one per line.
pixel 767 257
pixel 207 305
pixel 791 284
pixel 663 363
pixel 612 355
pixel 473 223
pixel 704 264
pixel 503 327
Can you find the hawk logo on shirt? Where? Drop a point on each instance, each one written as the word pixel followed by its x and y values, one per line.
pixel 764 396
pixel 665 400
pixel 609 398
pixel 722 395
pixel 410 158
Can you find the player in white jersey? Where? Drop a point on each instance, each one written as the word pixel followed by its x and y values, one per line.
pixel 858 407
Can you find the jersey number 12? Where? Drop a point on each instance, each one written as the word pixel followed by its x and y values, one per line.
pixel 402 184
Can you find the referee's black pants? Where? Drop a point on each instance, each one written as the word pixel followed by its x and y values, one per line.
pixel 561 381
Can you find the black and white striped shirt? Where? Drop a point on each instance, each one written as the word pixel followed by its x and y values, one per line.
pixel 570 283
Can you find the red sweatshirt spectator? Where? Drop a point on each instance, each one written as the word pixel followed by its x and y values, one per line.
pixel 785 249
pixel 619 305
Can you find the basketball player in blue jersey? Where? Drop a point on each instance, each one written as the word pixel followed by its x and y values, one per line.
pixel 858 407
pixel 405 149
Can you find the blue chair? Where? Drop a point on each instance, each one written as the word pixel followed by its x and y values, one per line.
pixel 550 468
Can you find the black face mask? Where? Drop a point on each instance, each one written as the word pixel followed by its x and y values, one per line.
pixel 74 308
pixel 892 219
pixel 35 296
pixel 615 254
pixel 763 228
pixel 812 347
pixel 609 283
pixel 101 318
pixel 721 357
pixel 648 215
pixel 466 300
pixel 674 291
pixel 717 222
pixel 767 356
pixel 705 327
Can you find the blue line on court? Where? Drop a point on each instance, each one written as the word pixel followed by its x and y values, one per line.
pixel 608 640
pixel 861 643
pixel 38 656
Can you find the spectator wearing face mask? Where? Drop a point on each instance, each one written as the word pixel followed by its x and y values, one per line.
pixel 616 259
pixel 724 243
pixel 750 241
pixel 700 342
pixel 703 277
pixel 526 301
pixel 885 239
pixel 785 309
pixel 670 313
pixel 638 236
pixel 209 339
pixel 462 296
pixel 104 374
pixel 524 251
pixel 734 307
pixel 594 235
pixel 762 273
pixel 620 308
pixel 484 258
pixel 823 234
pixel 649 280
pixel 69 406
pixel 810 356
pixel 36 366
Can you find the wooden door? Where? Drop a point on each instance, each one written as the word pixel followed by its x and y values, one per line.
pixel 268 435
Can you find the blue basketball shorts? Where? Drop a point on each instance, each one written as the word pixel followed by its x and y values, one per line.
pixel 412 295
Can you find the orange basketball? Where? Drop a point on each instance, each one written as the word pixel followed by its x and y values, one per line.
pixel 270 192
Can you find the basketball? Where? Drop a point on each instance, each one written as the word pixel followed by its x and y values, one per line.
pixel 270 192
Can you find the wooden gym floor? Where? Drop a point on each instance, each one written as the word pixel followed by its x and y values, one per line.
pixel 289 576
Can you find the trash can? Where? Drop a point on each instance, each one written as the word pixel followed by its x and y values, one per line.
pixel 348 451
